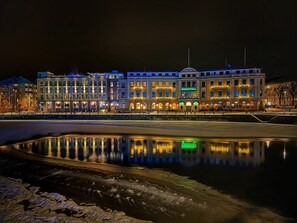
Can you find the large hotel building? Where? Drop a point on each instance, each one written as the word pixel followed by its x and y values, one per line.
pixel 188 90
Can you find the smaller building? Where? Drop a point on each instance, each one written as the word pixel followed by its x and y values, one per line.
pixel 281 92
pixel 17 94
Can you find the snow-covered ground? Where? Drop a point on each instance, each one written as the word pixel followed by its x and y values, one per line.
pixel 20 202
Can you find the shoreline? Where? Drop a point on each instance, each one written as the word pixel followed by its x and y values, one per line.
pixel 13 130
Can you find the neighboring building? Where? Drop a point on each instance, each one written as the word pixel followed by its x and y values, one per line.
pixel 189 91
pixel 281 92
pixel 17 94
pixel 152 90
pixel 77 92
pixel 232 89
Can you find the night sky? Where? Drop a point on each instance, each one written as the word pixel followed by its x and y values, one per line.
pixel 96 36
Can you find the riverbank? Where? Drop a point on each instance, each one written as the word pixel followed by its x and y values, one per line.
pixel 143 193
pixel 256 117
pixel 13 130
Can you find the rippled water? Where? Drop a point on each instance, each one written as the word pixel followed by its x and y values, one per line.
pixel 259 170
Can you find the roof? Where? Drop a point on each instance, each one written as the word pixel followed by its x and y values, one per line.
pixel 15 80
pixel 188 70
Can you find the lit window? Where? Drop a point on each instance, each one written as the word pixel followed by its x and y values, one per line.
pixel 211 94
pixel 235 93
pixel 243 93
pixel 252 93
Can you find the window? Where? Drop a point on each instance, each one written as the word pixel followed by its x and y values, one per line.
pixel 153 94
pixel 244 81
pixel 202 74
pixel 173 84
pixel 238 72
pixel 138 83
pixel 111 84
pixel 211 83
pixel 183 75
pixel 144 84
pixel 131 84
pixel 203 94
pixel 194 75
pixel 160 84
pixel 189 75
pixel 194 84
pixel 188 84
pixel 138 94
pixel 243 93
pixel 252 93
pixel 153 84
pixel 203 84
pixel 261 81
pixel 160 94
pixel 183 84
pixel 235 93
pixel 235 82
pixel 252 81
pixel 173 94
pixel 228 83
pixel 144 94
pixel 123 94
pixel 123 85
pixel 212 94
pixel 220 93
pixel 228 93
pixel 220 83
pixel 166 94
pixel 131 94
pixel 221 72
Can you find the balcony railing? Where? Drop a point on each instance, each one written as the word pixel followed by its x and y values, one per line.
pixel 219 87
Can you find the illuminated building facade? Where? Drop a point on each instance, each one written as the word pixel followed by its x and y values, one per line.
pixel 188 91
pixel 17 94
pixel 152 90
pixel 79 93
pixel 234 89
pixel 281 92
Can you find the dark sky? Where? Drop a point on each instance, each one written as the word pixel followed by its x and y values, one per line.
pixel 95 36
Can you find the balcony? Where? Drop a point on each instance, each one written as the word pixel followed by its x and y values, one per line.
pixel 219 98
pixel 244 86
pixel 219 87
pixel 163 87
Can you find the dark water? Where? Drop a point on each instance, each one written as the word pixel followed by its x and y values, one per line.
pixel 261 171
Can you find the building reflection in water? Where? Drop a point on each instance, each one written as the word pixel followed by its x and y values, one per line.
pixel 146 150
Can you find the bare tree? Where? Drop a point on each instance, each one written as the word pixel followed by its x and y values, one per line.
pixel 279 90
pixel 291 87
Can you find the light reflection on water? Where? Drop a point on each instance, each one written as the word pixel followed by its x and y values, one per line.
pixel 149 150
pixel 259 170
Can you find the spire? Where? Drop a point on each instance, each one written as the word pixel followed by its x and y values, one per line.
pixel 188 57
